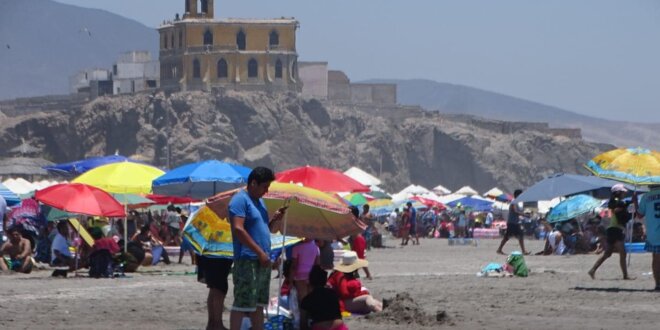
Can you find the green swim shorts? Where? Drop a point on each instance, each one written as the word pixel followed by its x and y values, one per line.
pixel 251 285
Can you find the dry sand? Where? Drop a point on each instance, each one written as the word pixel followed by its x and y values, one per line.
pixel 558 294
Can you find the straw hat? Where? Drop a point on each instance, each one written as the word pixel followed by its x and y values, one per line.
pixel 349 262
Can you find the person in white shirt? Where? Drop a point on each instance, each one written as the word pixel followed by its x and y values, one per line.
pixel 60 254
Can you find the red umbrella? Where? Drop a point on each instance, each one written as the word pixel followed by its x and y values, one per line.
pixel 164 200
pixel 321 179
pixel 429 202
pixel 82 199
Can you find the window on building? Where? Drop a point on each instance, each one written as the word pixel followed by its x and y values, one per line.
pixel 208 37
pixel 253 68
pixel 114 69
pixel 240 40
pixel 274 38
pixel 172 40
pixel 223 71
pixel 197 70
pixel 164 41
pixel 205 6
pixel 294 68
pixel 187 6
pixel 278 69
pixel 180 38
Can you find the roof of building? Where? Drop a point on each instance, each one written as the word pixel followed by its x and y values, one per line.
pixel 267 21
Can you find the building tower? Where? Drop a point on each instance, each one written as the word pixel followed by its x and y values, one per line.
pixel 199 52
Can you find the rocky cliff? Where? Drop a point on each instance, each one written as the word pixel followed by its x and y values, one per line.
pixel 401 145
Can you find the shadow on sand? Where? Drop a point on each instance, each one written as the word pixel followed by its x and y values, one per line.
pixel 581 288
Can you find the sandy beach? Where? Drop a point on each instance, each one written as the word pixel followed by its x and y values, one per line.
pixel 558 294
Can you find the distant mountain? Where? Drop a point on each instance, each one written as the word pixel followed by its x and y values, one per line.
pixel 450 98
pixel 44 42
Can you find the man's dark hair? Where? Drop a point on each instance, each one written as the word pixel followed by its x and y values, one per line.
pixel 517 193
pixel 365 207
pixel 177 209
pixel 96 233
pixel 170 207
pixel 317 277
pixel 12 229
pixel 409 204
pixel 355 211
pixel 61 225
pixel 261 175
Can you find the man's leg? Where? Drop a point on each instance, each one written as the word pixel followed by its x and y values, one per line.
pixel 215 305
pixel 521 241
pixel 235 319
pixel 26 265
pixel 257 319
pixel 656 270
pixel 621 249
pixel 366 272
pixel 3 265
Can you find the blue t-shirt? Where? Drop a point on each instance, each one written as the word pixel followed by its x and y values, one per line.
pixel 649 207
pixel 413 217
pixel 256 224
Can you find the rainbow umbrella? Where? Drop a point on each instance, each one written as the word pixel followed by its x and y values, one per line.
pixel 210 235
pixel 121 178
pixel 636 166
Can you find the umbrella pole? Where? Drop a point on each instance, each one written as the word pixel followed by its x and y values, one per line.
pixel 283 259
pixel 75 271
pixel 125 228
pixel 632 223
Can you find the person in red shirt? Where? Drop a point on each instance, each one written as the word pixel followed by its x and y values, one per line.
pixel 359 244
pixel 352 297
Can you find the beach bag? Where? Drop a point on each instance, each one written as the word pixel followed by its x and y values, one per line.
pixel 517 262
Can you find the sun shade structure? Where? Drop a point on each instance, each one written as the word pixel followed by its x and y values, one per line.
pixel 322 179
pixel 563 184
pixel 637 166
pixel 362 176
pixel 121 178
pixel 573 207
pixel 466 190
pixel 81 199
pixel 201 180
pixel 78 167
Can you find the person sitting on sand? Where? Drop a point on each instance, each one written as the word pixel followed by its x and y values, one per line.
pixel 554 242
pixel 60 253
pixel 16 253
pixel 344 280
pixel 320 307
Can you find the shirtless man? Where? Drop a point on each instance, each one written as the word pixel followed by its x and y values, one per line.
pixel 19 251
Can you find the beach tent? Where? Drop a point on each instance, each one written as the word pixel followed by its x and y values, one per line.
pixel 19 186
pixel 10 197
pixel 414 189
pixel 441 190
pixel 466 190
pixel 494 192
pixel 78 167
pixel 362 177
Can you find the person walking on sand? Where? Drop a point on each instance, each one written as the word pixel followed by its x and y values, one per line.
pixel 414 231
pixel 513 225
pixel 615 232
pixel 649 208
pixel 405 227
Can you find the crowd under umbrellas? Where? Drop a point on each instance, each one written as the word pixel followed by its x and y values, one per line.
pixel 114 192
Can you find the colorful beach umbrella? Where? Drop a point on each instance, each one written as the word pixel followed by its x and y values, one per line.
pixel 121 178
pixel 572 207
pixel 563 184
pixel 322 179
pixel 81 166
pixel 636 166
pixel 357 199
pixel 201 180
pixel 472 203
pixel 81 199
pixel 210 235
pixel 429 202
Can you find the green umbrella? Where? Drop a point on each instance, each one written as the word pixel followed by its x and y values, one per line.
pixel 53 214
pixel 356 199
pixel 132 199
pixel 379 195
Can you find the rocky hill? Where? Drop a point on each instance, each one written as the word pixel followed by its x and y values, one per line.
pixel 458 99
pixel 399 144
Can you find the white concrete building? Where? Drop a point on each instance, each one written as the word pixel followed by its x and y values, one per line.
pixel 135 71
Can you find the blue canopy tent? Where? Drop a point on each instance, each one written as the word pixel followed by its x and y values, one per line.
pixel 78 167
pixel 472 203
pixel 11 198
pixel 201 180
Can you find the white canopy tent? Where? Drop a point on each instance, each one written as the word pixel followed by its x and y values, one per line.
pixel 362 177
pixel 441 190
pixel 467 191
pixel 494 192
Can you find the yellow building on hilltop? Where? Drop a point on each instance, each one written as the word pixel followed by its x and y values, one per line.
pixel 198 52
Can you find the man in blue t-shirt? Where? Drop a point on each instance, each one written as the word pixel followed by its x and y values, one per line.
pixel 649 208
pixel 413 224
pixel 251 230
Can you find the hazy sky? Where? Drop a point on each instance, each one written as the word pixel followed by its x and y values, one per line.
pixel 596 57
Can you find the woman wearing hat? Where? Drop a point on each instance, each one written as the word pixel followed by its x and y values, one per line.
pixel 344 280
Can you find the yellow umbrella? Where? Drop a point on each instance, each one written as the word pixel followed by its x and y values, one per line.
pixel 121 178
pixel 632 165
pixel 380 203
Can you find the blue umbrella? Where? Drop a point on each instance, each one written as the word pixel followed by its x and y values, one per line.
pixel 572 207
pixel 81 166
pixel 472 203
pixel 562 184
pixel 11 198
pixel 201 180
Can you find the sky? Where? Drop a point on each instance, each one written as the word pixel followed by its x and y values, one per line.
pixel 595 57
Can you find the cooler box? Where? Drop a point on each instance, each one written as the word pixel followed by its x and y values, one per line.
pixel 486 233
